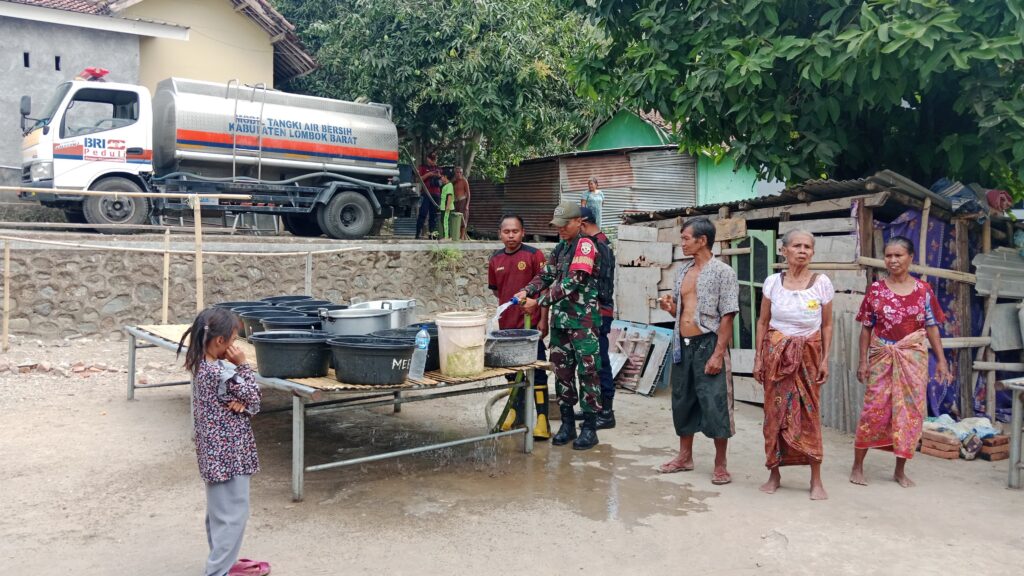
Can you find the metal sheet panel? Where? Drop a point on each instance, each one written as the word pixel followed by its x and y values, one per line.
pixel 531 191
pixel 486 205
pixel 1005 263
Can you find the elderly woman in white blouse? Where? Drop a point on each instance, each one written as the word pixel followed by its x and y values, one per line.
pixel 794 334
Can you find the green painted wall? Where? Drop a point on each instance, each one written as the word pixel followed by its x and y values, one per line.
pixel 626 130
pixel 719 183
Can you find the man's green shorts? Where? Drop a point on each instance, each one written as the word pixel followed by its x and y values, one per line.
pixel 700 402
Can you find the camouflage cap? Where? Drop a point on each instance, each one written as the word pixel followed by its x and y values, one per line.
pixel 564 212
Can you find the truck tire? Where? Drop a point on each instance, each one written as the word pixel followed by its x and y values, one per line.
pixel 116 209
pixel 348 216
pixel 302 225
pixel 74 217
pixel 378 223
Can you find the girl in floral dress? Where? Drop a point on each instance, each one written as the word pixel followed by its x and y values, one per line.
pixel 225 397
pixel 897 315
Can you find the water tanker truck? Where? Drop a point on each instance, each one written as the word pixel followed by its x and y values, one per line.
pixel 325 166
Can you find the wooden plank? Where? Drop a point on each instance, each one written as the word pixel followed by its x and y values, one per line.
pixel 662 343
pixel 746 389
pixel 634 287
pixel 938 272
pixel 822 226
pixel 628 253
pixel 848 280
pixel 730 229
pixel 668 276
pixel 965 342
pixel 668 222
pixel 742 360
pixel 833 248
pixel 1006 332
pixel 637 233
pixel 669 234
pixel 819 206
pixel 983 366
pixel 964 314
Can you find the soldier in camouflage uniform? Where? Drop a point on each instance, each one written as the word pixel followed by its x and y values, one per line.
pixel 572 294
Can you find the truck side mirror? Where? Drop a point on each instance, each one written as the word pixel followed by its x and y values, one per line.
pixel 26 106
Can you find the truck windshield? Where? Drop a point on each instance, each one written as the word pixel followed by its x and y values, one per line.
pixel 51 107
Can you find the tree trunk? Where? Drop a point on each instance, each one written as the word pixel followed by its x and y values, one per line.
pixel 467 154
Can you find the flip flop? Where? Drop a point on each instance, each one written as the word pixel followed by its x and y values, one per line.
pixel 721 479
pixel 670 468
pixel 246 567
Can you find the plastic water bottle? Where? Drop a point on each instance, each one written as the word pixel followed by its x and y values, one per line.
pixel 419 356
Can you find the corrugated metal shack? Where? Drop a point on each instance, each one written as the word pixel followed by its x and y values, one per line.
pixel 851 220
pixel 646 178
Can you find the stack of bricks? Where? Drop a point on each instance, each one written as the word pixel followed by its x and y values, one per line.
pixel 940 444
pixel 995 448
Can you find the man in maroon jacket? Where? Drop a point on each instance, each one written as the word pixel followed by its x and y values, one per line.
pixel 508 270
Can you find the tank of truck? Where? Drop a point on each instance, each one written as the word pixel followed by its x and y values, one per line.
pixel 205 127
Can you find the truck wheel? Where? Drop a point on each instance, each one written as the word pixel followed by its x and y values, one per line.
pixel 347 216
pixel 378 223
pixel 116 209
pixel 302 225
pixel 74 217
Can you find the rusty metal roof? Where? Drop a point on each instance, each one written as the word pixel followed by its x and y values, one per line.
pixel 816 190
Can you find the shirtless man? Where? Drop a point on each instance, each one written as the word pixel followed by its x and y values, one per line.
pixel 702 398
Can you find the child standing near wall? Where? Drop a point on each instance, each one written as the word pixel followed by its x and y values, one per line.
pixel 447 204
pixel 225 397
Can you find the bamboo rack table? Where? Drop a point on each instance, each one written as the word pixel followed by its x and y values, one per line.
pixel 320 395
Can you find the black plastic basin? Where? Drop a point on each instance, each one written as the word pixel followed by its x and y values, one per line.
pixel 261 307
pixel 291 354
pixel 313 309
pixel 409 333
pixel 235 304
pixel 277 300
pixel 251 320
pixel 293 321
pixel 370 360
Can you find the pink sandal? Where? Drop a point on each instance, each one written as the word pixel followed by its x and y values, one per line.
pixel 246 567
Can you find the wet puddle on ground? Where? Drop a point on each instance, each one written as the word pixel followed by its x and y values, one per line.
pixel 604 483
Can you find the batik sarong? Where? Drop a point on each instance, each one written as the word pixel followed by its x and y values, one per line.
pixel 792 421
pixel 894 402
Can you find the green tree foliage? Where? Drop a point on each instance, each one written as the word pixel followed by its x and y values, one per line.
pixel 804 88
pixel 478 80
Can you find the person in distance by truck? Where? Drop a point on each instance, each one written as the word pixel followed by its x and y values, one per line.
pixel 430 199
pixel 462 194
pixel 447 205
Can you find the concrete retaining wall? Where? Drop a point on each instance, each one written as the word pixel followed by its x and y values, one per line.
pixel 57 292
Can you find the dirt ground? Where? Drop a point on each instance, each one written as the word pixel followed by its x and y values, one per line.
pixel 95 485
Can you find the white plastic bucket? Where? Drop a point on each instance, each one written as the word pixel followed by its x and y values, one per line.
pixel 461 337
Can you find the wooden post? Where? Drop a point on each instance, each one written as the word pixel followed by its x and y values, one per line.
pixel 723 213
pixel 922 244
pixel 962 306
pixel 866 234
pixel 197 214
pixel 309 274
pixel 7 296
pixel 986 236
pixel 167 276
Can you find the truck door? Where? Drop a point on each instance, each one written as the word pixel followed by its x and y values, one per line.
pixel 101 132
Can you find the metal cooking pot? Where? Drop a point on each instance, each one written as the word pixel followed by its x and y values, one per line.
pixel 354 321
pixel 403 312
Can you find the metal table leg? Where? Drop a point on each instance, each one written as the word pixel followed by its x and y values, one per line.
pixel 530 406
pixel 131 366
pixel 398 402
pixel 298 446
pixel 1016 422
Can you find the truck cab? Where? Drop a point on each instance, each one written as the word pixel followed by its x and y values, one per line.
pixel 92 135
